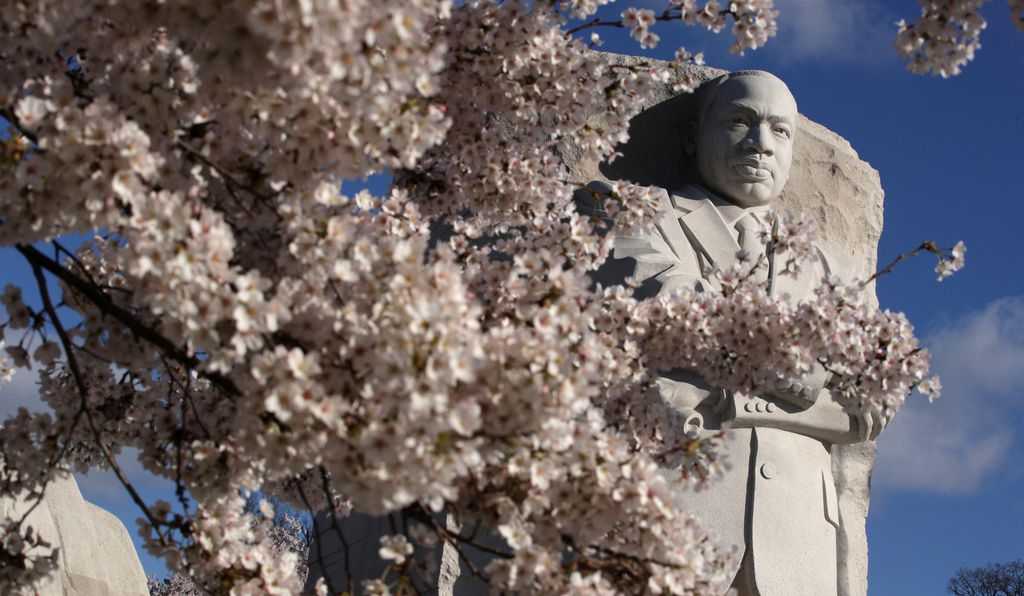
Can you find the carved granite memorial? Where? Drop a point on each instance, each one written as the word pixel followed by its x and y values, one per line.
pixel 795 500
pixel 778 504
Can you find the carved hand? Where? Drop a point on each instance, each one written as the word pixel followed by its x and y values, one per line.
pixel 869 425
pixel 804 390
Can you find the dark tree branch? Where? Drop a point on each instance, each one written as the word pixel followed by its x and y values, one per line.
pixel 126 318
pixel 928 246
pixel 76 373
pixel 325 483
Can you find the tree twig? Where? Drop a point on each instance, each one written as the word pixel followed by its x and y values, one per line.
pixel 76 374
pixel 928 246
pixel 336 526
pixel 108 307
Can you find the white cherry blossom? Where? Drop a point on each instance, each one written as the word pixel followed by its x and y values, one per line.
pixel 244 319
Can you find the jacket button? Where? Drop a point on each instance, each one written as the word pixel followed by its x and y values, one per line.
pixel 768 471
pixel 749 406
pixel 805 392
pixel 759 406
pixel 770 407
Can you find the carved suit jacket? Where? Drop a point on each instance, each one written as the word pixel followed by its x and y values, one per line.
pixel 779 449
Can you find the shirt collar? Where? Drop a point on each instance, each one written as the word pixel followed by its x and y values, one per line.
pixel 730 213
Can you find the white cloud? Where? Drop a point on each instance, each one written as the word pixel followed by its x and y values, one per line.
pixel 22 391
pixel 955 444
pixel 848 31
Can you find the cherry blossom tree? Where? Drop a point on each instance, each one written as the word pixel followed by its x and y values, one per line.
pixel 245 321
pixel 288 531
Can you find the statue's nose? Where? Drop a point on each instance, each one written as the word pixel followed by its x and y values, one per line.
pixel 758 140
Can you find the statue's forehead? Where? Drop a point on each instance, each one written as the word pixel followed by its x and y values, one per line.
pixel 763 93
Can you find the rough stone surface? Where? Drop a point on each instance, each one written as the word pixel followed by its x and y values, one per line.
pixel 362 534
pixel 97 557
pixel 829 182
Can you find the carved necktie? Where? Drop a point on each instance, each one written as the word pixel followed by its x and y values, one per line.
pixel 749 239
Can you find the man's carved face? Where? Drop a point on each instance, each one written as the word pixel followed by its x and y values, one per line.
pixel 744 143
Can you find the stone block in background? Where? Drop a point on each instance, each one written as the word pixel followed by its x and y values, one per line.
pixel 97 557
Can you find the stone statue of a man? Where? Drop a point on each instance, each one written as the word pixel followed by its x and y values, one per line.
pixel 777 504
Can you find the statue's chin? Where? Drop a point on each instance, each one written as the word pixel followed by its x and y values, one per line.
pixel 751 194
pixel 745 193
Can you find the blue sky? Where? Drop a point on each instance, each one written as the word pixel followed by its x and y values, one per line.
pixel 948 490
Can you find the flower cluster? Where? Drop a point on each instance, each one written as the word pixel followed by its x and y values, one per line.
pixel 224 541
pixel 874 354
pixel 639 22
pixel 954 262
pixel 287 535
pixel 25 556
pixel 754 21
pixel 944 38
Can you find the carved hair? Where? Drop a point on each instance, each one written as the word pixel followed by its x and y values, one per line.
pixel 705 95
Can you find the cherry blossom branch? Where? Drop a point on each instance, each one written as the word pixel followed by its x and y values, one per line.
pixel 59 248
pixel 44 293
pixel 929 246
pixel 465 540
pixel 54 461
pixel 617 556
pixel 217 168
pixel 666 15
pixel 336 526
pixel 186 394
pixel 107 306
pixel 946 266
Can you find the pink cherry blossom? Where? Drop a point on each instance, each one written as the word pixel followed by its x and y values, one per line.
pixel 244 318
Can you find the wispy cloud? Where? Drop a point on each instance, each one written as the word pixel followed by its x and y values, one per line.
pixel 850 31
pixel 955 444
pixel 21 392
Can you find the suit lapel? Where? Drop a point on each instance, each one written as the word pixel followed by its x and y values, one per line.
pixel 710 234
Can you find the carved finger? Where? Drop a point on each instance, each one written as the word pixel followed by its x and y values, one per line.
pixel 878 423
pixel 864 426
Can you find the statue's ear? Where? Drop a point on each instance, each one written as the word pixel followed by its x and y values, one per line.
pixel 690 137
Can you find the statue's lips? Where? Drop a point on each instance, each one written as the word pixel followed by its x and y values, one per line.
pixel 753 171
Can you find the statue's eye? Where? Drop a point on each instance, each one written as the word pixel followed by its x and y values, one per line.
pixel 781 131
pixel 737 120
